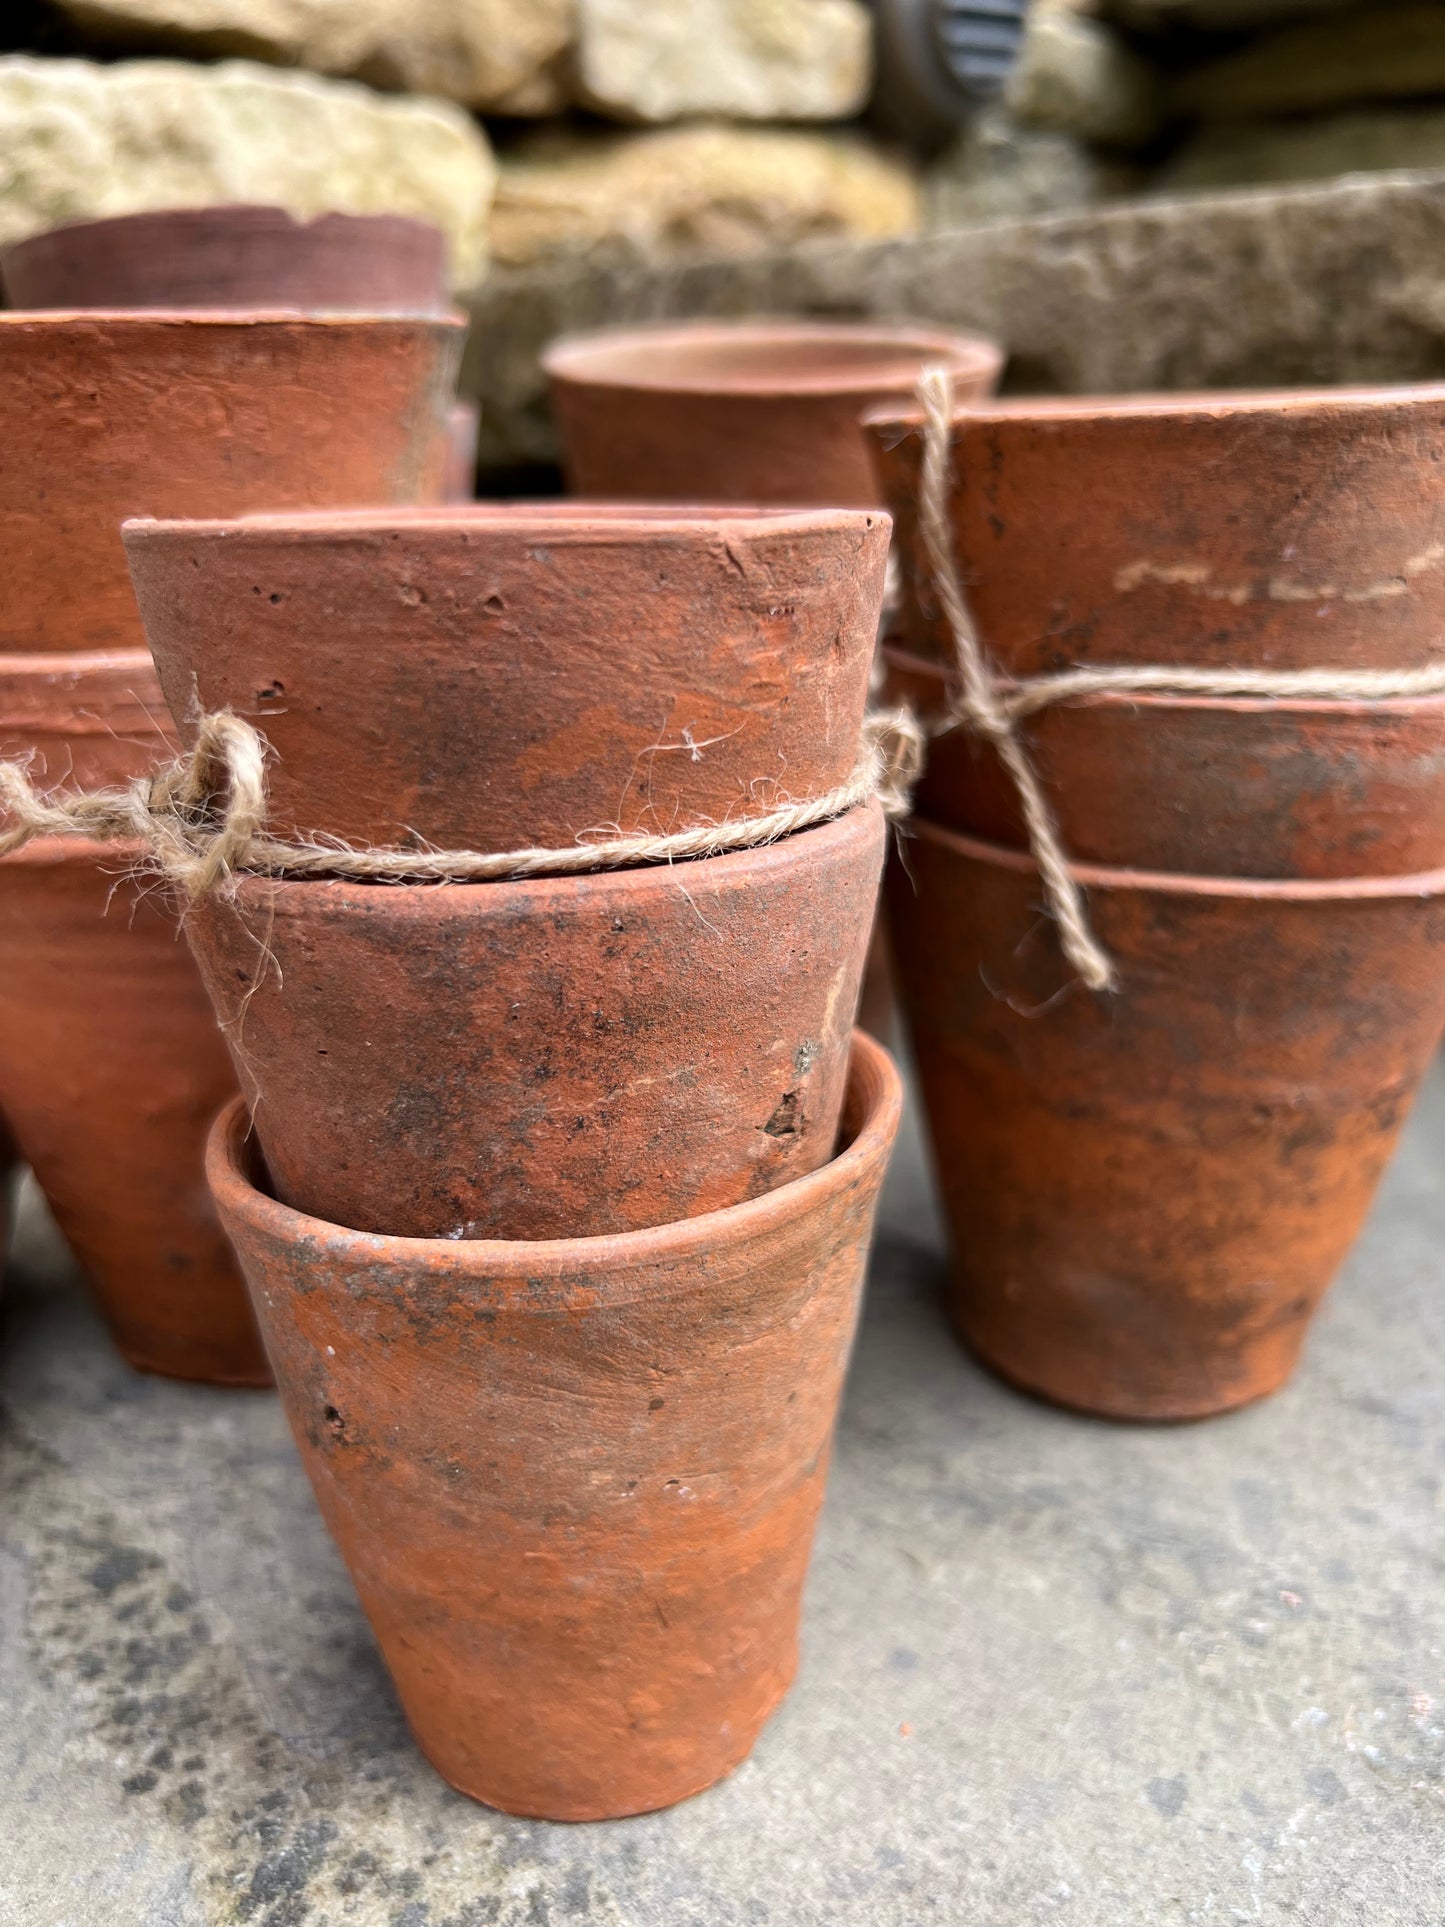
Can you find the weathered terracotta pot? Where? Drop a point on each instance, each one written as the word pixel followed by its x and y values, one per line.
pixel 496 676
pixel 464 424
pixel 575 1482
pixel 9 1169
pixel 111 1069
pixel 1210 787
pixel 551 1058
pixel 85 720
pixel 1150 1191
pixel 753 411
pixel 236 256
pixel 1283 530
pixel 108 415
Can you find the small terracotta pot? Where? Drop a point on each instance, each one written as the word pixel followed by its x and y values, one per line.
pixel 108 415
pixel 111 1070
pixel 237 256
pixel 1205 786
pixel 753 411
pixel 464 427
pixel 85 721
pixel 575 1482
pixel 1275 530
pixel 498 676
pixel 552 1058
pixel 1150 1191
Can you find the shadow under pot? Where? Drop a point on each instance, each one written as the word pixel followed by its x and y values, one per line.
pixel 1205 786
pixel 1280 530
pixel 111 1071
pixel 575 1482
pixel 750 411
pixel 1149 1191
pixel 499 677
pixel 84 721
pixel 106 415
pixel 552 1057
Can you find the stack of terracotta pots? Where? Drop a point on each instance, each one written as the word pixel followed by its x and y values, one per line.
pixel 110 1064
pixel 1150 1188
pixel 558 1200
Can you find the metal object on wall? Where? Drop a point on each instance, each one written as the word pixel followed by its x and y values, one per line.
pixel 939 60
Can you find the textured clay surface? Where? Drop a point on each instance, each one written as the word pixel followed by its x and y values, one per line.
pixel 237 256
pixel 549 1058
pixel 576 1483
pixel 1263 530
pixel 111 1070
pixel 1211 787
pixel 742 411
pixel 103 416
pixel 495 677
pixel 1150 1191
pixel 85 720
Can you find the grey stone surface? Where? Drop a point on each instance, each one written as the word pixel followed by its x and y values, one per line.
pixel 1055 1671
pixel 1313 284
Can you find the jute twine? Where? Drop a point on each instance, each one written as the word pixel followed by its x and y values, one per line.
pixel 991 704
pixel 201 819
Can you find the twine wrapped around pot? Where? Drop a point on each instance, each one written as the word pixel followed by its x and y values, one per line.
pixel 991 704
pixel 201 819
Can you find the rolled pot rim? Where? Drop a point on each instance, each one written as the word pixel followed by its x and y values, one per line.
pixel 566 519
pixel 872 1075
pixel 600 357
pixel 51 852
pixel 1173 405
pixel 1100 876
pixel 447 321
pixel 25 663
pixel 927 670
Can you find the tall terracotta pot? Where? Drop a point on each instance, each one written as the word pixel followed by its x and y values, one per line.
pixel 108 415
pixel 558 1057
pixel 83 720
pixel 1150 1191
pixel 1208 786
pixel 495 677
pixel 1290 529
pixel 753 411
pixel 111 1069
pixel 575 1482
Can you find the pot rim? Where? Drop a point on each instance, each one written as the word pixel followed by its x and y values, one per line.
pixel 927 670
pixel 1101 876
pixel 567 519
pixel 592 356
pixel 873 1081
pixel 51 852
pixel 446 321
pixel 1165 405
pixel 222 214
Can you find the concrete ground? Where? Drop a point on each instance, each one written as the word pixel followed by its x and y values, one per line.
pixel 1055 1671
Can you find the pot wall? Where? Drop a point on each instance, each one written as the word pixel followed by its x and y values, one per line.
pixel 576 1483
pixel 87 721
pixel 1149 1192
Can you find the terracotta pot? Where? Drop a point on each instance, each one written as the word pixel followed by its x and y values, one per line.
pixel 9 1171
pixel 552 1058
pixel 1149 1192
pixel 111 1069
pixel 85 721
pixel 575 1482
pixel 1208 787
pixel 237 256
pixel 464 426
pixel 498 676
pixel 108 415
pixel 1284 530
pixel 753 411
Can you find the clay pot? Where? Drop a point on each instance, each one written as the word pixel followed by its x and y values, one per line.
pixel 1209 787
pixel 85 721
pixel 753 411
pixel 1285 530
pixel 237 256
pixel 575 1482
pixel 1150 1191
pixel 111 1069
pixel 495 677
pixel 108 415
pixel 558 1057
pixel 464 426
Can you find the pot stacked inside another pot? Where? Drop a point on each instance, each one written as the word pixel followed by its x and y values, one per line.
pixel 1150 1185
pixel 110 1063
pixel 560 1184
